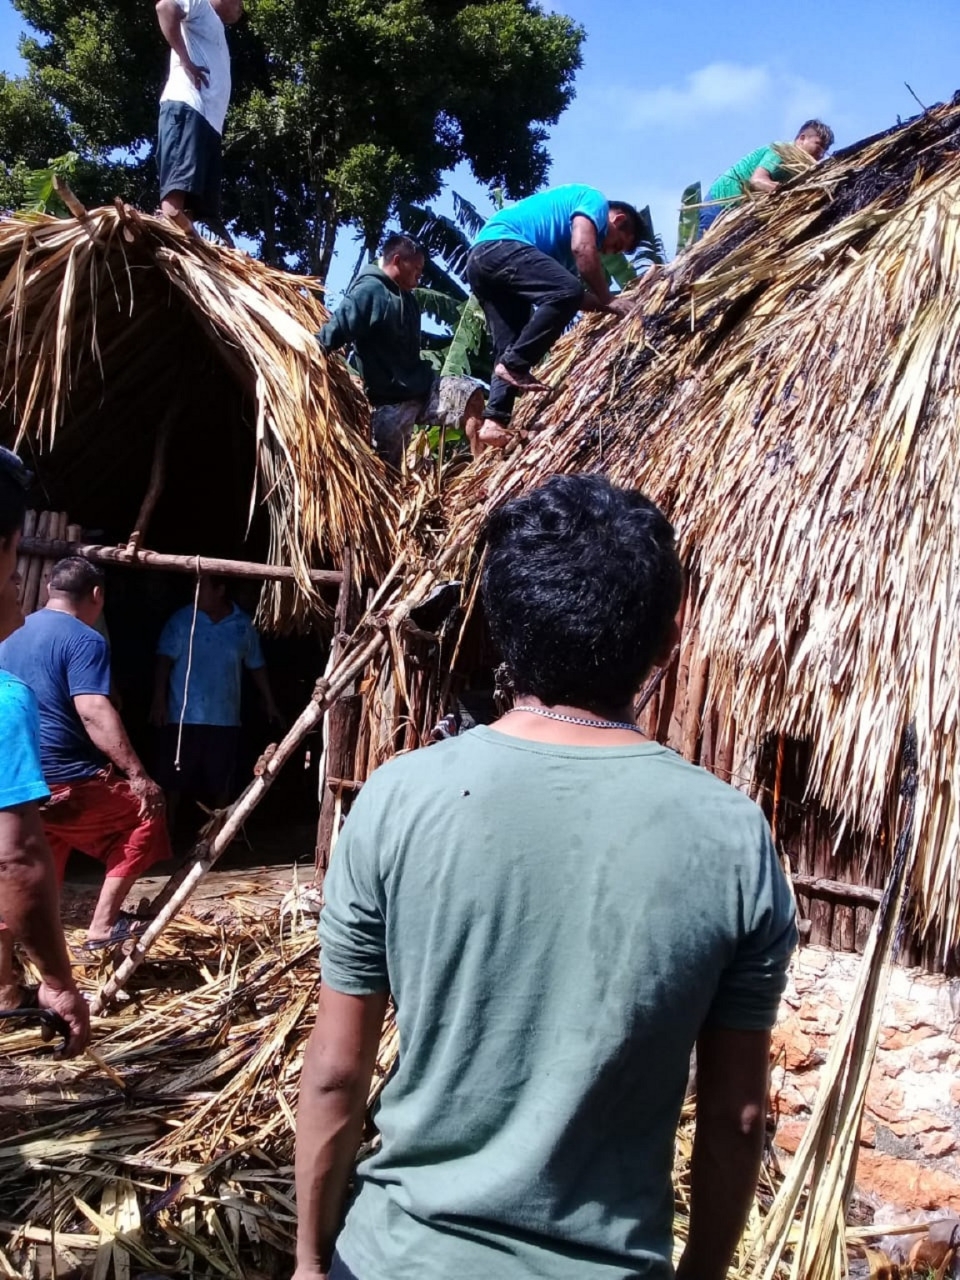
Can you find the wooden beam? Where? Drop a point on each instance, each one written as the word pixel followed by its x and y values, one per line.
pixel 158 473
pixel 834 891
pixel 56 549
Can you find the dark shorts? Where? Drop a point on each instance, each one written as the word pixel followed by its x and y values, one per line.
pixel 339 1270
pixel 208 758
pixel 189 153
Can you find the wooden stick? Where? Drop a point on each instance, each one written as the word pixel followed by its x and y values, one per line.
pixel 835 891
pixel 56 531
pixel 57 548
pixel 158 472
pixel 205 854
pixel 335 729
pixel 23 560
pixel 31 581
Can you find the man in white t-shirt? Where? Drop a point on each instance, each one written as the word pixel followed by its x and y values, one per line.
pixel 193 106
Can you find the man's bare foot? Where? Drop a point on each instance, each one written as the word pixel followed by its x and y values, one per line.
pixel 14 994
pixel 522 381
pixel 493 435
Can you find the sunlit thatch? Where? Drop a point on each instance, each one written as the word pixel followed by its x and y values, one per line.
pixel 789 392
pixel 111 322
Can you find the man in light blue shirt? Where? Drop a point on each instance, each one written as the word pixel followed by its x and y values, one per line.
pixel 199 674
pixel 533 267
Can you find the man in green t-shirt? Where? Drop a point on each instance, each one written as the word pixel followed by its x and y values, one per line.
pixel 561 909
pixel 762 170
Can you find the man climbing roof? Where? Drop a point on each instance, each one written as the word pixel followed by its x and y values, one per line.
pixel 380 317
pixel 533 266
pixel 763 170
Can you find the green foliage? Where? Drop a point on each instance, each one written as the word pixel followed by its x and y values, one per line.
pixel 468 341
pixel 341 108
pixel 688 227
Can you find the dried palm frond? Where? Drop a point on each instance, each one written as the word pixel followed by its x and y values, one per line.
pixel 108 321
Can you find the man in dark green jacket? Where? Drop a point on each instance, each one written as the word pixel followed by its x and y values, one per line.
pixel 381 318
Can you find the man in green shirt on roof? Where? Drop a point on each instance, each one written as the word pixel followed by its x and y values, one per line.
pixel 762 170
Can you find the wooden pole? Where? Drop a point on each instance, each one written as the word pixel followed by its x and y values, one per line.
pixel 57 548
pixel 158 473
pixel 56 530
pixel 337 759
pixel 37 549
pixel 23 560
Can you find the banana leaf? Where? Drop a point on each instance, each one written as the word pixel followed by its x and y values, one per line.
pixel 689 225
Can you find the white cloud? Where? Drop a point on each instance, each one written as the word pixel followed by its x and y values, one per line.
pixel 721 86
pixel 800 100
pixel 719 90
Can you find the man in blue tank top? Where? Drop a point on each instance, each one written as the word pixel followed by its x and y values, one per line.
pixel 533 267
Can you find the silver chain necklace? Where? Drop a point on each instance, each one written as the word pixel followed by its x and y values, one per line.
pixel 591 724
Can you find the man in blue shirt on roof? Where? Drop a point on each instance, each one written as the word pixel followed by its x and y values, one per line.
pixel 533 267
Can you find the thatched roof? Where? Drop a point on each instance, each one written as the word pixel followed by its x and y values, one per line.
pixel 110 322
pixel 789 392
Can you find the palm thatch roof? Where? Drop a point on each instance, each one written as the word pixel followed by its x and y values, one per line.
pixel 789 392
pixel 111 322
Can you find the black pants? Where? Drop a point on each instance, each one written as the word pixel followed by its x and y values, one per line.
pixel 528 299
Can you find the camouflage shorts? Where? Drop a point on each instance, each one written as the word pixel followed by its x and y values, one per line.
pixel 445 406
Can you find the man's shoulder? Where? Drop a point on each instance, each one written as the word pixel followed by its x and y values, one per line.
pixel 706 797
pixel 405 773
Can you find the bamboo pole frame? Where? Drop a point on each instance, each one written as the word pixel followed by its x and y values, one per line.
pixel 57 548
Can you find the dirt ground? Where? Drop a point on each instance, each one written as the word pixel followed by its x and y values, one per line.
pixel 266 849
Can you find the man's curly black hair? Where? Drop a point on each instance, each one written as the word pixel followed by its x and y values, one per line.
pixel 581 583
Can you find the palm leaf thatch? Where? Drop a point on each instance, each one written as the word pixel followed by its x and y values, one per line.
pixel 789 392
pixel 111 321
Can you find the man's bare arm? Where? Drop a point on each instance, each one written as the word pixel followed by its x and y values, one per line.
pixel 30 908
pixel 586 254
pixel 262 681
pixel 337 1069
pixel 732 1077
pixel 105 730
pixel 760 180
pixel 170 17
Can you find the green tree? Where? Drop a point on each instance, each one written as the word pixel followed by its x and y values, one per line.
pixel 341 108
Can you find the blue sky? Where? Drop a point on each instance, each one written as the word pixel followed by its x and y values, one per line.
pixel 670 93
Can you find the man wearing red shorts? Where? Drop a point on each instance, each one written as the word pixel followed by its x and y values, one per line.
pixel 101 800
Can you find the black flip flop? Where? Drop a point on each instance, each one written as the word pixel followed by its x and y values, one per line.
pixel 125 928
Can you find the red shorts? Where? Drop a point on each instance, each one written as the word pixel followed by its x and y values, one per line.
pixel 100 816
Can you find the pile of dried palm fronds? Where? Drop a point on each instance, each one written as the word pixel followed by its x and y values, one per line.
pixel 109 320
pixel 188 1166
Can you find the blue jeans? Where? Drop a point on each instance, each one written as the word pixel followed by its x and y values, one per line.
pixel 709 216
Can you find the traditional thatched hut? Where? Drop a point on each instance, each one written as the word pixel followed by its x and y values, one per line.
pixel 155 377
pixel 789 392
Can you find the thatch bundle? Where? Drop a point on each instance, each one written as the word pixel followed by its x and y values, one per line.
pixel 116 326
